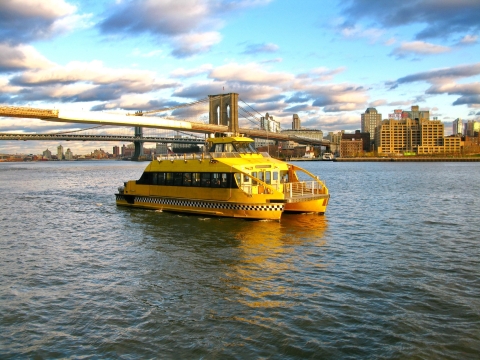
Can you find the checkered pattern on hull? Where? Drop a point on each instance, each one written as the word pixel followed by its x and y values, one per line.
pixel 203 204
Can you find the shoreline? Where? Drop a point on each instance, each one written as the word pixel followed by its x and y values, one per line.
pixel 397 159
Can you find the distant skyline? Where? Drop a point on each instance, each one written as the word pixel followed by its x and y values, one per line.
pixel 327 61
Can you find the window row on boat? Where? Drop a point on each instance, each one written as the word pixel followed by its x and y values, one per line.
pixel 209 179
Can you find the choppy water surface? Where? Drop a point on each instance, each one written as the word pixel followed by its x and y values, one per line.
pixel 391 271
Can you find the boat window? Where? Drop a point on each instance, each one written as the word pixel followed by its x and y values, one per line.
pixel 246 178
pixel 168 179
pixel 238 179
pixel 205 179
pixel 224 180
pixel 215 180
pixel 154 179
pixel 177 179
pixel 261 176
pixel 254 174
pixel 187 179
pixel 145 179
pixel 275 175
pixel 268 177
pixel 228 148
pixel 161 179
pixel 244 147
pixel 196 179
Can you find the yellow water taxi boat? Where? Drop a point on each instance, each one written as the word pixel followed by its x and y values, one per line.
pixel 232 179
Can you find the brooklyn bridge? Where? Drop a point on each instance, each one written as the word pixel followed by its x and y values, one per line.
pixel 212 116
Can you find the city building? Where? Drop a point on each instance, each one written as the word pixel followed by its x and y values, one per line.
pixel 60 152
pixel 335 139
pixel 352 147
pixel 364 136
pixel 413 132
pixel 472 128
pixel 269 124
pixel 68 154
pixel 47 154
pixel 116 151
pixel 296 123
pixel 457 126
pixel 370 120
pixel 161 149
pixel 416 114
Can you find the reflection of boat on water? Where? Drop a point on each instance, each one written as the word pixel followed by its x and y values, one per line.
pixel 232 180
pixel 327 156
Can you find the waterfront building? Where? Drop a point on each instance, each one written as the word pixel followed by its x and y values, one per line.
pixel 68 154
pixel 116 151
pixel 352 147
pixel 335 139
pixel 364 136
pixel 60 152
pixel 431 137
pixel 457 126
pixel 47 154
pixel 370 120
pixel 413 135
pixel 453 144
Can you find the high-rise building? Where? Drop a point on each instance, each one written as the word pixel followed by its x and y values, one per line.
pixel 60 152
pixel 457 126
pixel 267 123
pixel 416 114
pixel 116 151
pixel 418 135
pixel 47 154
pixel 472 128
pixel 296 124
pixel 68 154
pixel 370 120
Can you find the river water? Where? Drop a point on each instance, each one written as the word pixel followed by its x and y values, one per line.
pixel 390 272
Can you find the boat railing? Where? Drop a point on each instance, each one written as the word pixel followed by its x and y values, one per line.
pixel 201 156
pixel 302 188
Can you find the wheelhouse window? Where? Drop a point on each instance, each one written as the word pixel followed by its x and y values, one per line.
pixel 244 148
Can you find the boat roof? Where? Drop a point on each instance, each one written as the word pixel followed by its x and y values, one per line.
pixel 229 139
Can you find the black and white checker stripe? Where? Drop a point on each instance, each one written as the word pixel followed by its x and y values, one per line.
pixel 204 204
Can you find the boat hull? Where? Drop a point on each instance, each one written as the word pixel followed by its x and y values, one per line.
pixel 252 211
pixel 305 205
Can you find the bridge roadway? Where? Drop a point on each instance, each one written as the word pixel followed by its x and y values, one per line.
pixel 142 121
pixel 248 132
pixel 67 137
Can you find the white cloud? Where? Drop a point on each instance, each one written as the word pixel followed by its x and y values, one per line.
pixel 468 40
pixel 190 44
pixel 419 48
pixel 20 57
pixel 25 20
pixel 250 73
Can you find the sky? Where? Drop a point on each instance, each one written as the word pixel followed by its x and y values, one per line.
pixel 325 60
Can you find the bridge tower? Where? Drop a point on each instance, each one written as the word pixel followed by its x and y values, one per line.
pixel 224 111
pixel 138 144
